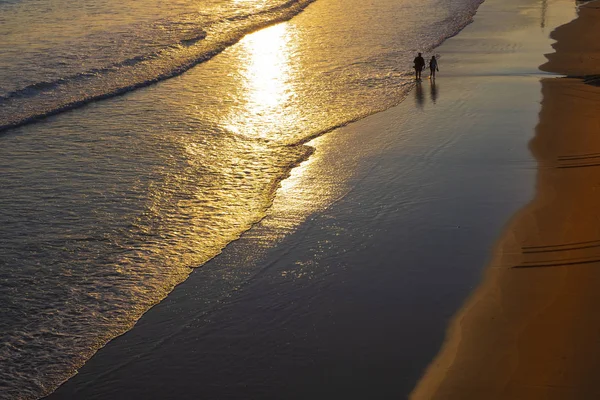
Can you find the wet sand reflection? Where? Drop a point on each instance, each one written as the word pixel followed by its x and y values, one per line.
pixel 530 330
pixel 420 100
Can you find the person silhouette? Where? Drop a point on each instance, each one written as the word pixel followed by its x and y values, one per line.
pixel 433 66
pixel 419 66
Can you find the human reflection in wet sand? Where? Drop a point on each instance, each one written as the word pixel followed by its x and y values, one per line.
pixel 419 97
pixel 433 91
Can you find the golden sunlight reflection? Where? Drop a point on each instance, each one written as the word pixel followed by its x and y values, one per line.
pixel 256 2
pixel 266 91
pixel 311 186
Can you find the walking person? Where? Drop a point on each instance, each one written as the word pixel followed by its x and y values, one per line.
pixel 433 67
pixel 419 66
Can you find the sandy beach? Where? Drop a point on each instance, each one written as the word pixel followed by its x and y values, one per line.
pixel 372 246
pixel 531 329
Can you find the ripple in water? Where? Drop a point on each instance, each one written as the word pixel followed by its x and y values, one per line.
pixel 104 210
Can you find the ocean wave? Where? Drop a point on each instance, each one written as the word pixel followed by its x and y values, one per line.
pixel 42 99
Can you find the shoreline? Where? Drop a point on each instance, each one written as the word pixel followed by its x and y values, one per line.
pixel 302 279
pixel 199 169
pixel 528 332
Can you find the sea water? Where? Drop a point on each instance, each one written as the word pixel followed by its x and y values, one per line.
pixel 131 152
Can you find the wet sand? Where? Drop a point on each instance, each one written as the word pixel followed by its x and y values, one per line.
pixel 531 330
pixel 352 298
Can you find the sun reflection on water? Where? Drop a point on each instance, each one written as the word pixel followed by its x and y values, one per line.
pixel 266 74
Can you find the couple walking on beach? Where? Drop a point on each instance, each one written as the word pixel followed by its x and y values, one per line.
pixel 420 66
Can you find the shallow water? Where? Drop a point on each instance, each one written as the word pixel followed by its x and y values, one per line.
pixel 105 208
